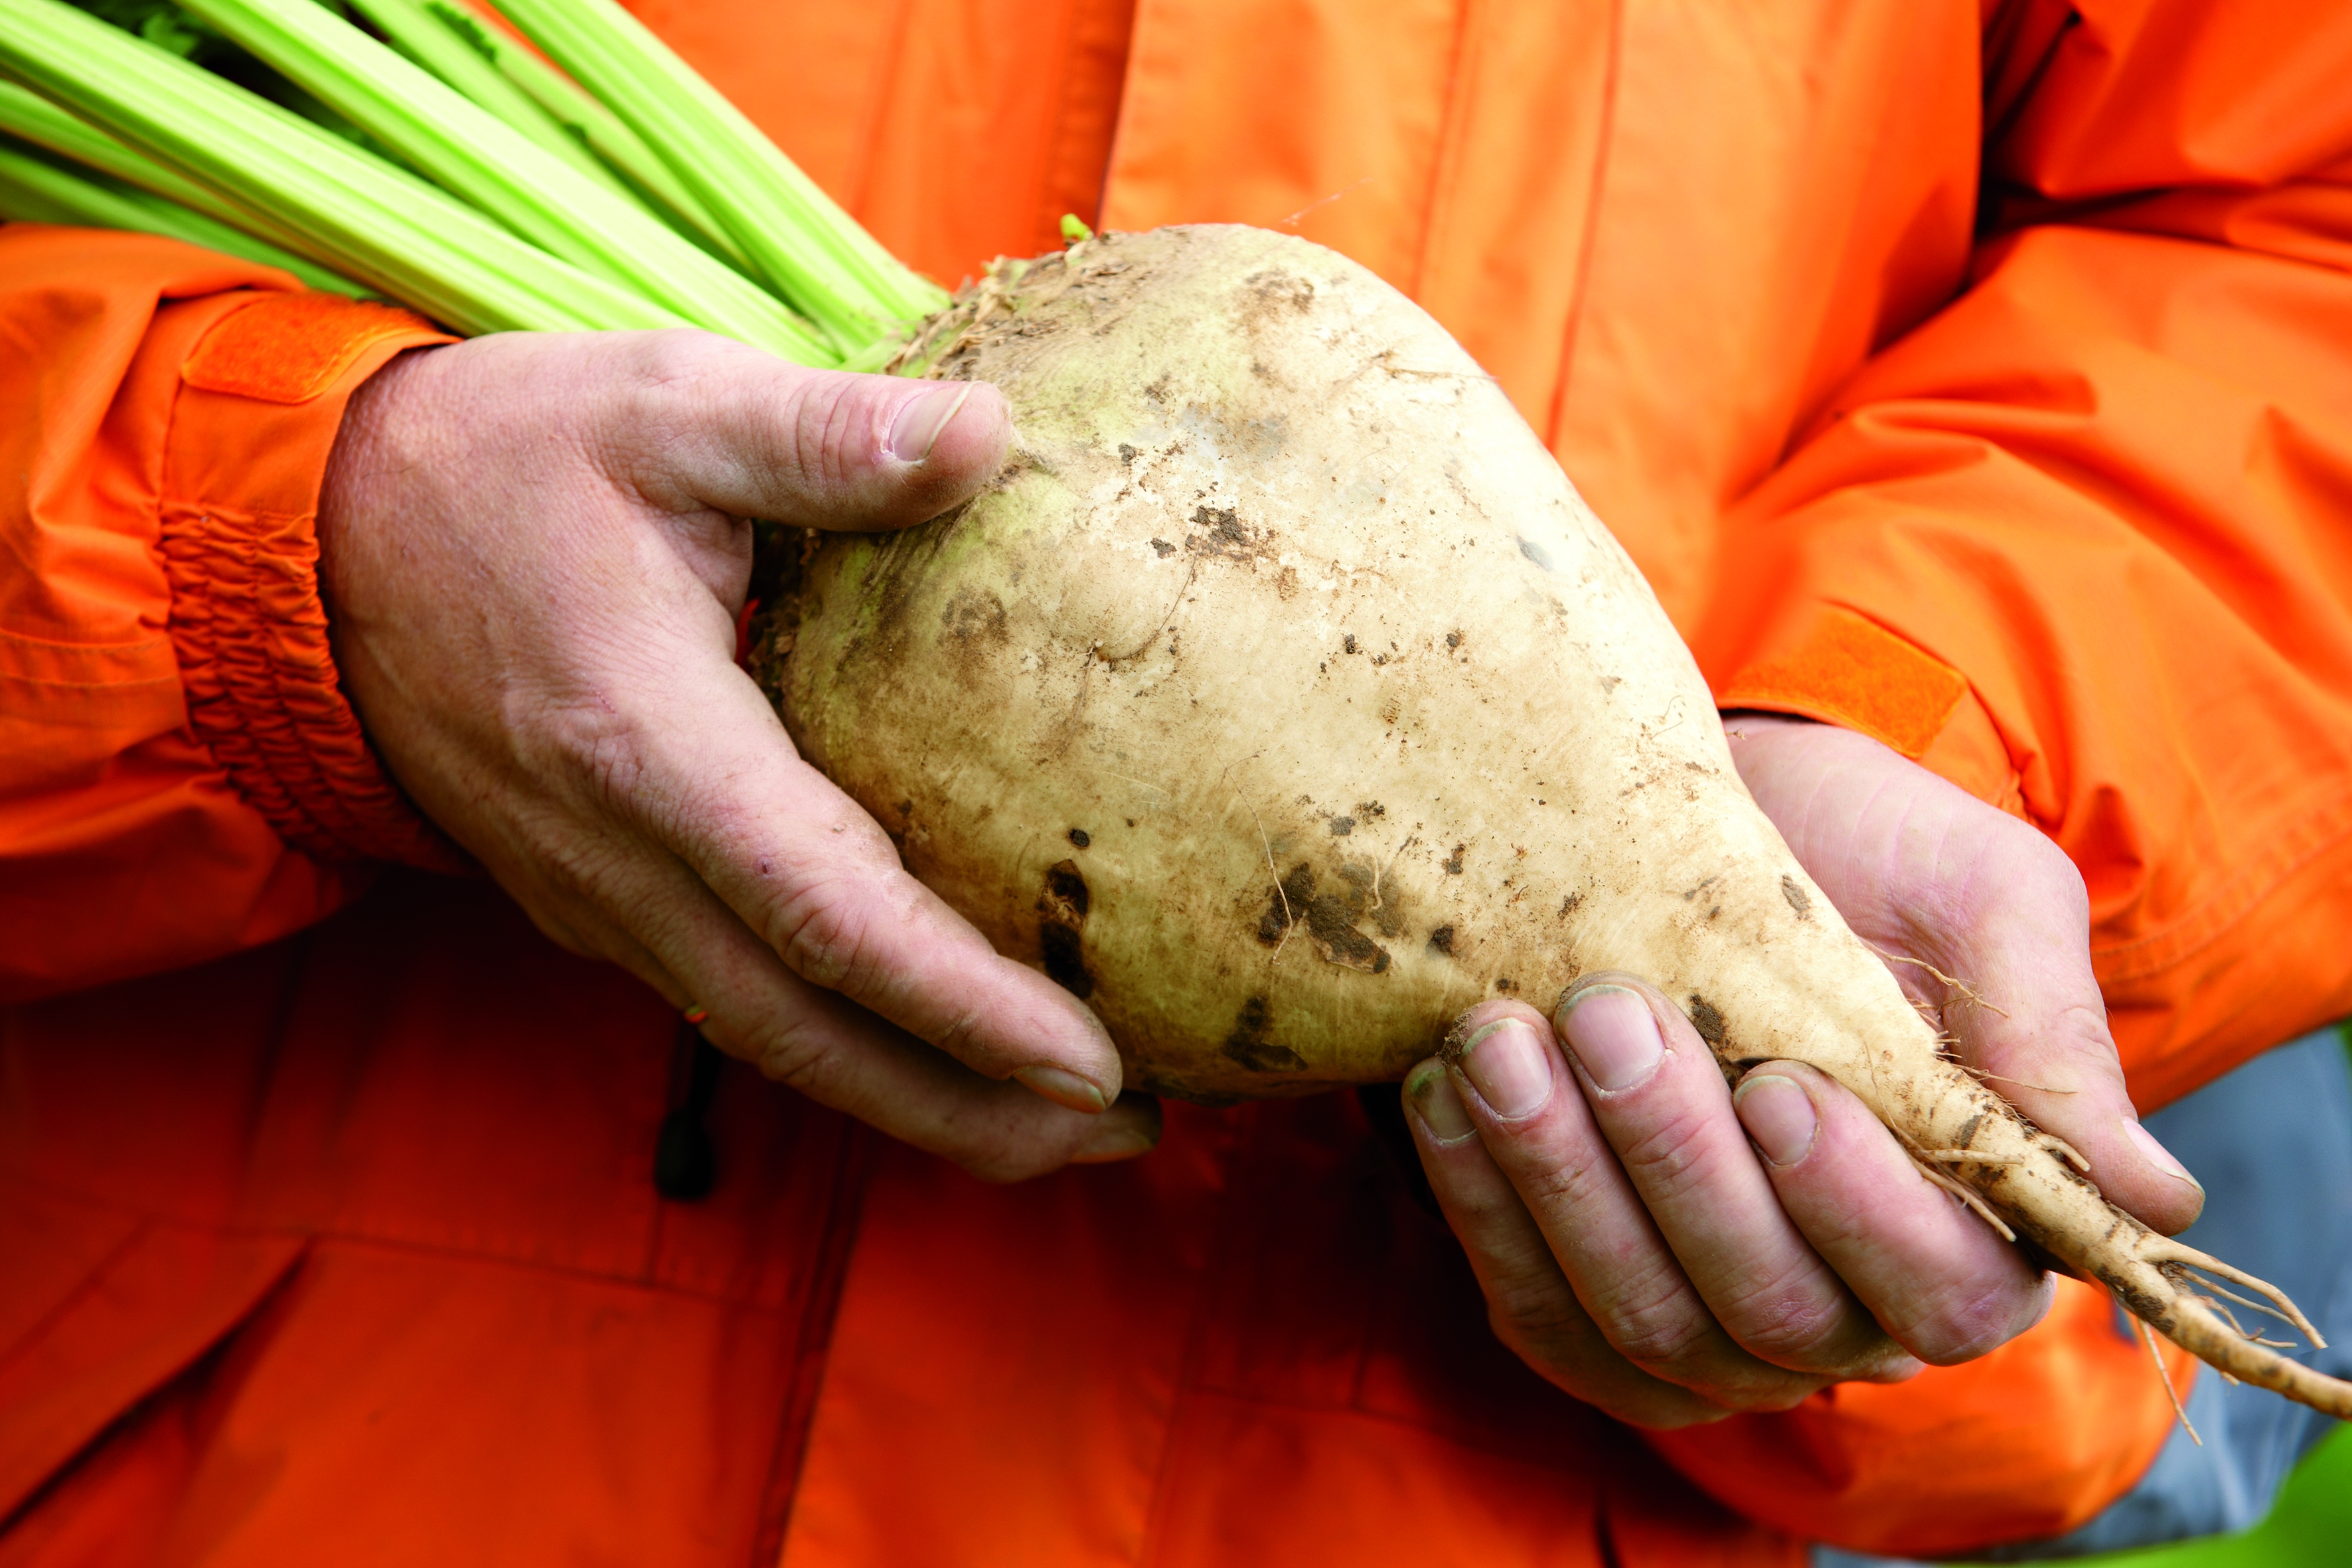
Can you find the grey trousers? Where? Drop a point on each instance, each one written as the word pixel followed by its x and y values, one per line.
pixel 2272 1143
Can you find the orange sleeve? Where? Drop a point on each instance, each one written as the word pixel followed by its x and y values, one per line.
pixel 179 775
pixel 2023 1444
pixel 2082 543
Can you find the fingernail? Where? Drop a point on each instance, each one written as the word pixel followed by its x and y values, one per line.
pixel 1061 1086
pixel 1778 1114
pixel 2160 1156
pixel 1118 1140
pixel 1507 1064
pixel 1614 1036
pixel 1436 1101
pixel 917 429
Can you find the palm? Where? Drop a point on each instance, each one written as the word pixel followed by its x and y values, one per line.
pixel 1983 920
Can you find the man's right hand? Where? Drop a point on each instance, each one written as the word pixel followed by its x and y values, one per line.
pixel 533 556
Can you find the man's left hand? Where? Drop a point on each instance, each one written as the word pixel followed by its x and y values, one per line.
pixel 1672 1250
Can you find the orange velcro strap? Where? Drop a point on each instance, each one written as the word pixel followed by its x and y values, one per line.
pixel 289 348
pixel 1846 670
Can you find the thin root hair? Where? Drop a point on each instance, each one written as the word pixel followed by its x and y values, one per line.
pixel 2157 1355
pixel 1378 872
pixel 1967 992
pixel 1289 919
pixel 2168 1254
pixel 1958 1190
pixel 2003 1078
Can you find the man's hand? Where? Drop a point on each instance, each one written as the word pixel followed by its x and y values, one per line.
pixel 1671 1250
pixel 533 556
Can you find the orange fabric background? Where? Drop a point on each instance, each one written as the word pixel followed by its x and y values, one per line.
pixel 1729 265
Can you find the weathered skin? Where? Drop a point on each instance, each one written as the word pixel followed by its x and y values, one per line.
pixel 1286 706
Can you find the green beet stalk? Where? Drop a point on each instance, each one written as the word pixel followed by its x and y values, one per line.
pixel 802 243
pixel 621 150
pixel 426 39
pixel 34 189
pixel 481 160
pixel 343 208
pixel 29 116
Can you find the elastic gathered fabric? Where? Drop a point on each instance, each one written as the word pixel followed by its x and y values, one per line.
pixel 246 624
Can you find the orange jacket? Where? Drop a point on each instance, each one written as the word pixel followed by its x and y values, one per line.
pixel 2034 481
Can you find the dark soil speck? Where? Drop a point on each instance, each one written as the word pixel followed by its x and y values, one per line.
pixel 1799 899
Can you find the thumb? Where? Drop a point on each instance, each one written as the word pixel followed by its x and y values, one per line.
pixel 2032 1021
pixel 719 424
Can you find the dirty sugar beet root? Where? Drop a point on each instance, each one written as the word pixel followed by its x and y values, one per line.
pixel 1281 699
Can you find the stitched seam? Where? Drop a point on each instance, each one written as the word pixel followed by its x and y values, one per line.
pixel 1603 142
pixel 2320 835
pixel 621 1278
pixel 82 1291
pixel 1452 134
pixel 893 62
pixel 1238 1154
pixel 1049 167
pixel 78 649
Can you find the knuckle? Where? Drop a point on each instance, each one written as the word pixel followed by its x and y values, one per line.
pixel 1790 1318
pixel 791 1051
pixel 963 1036
pixel 590 742
pixel 830 420
pixel 828 919
pixel 1566 1187
pixel 660 398
pixel 1668 1159
pixel 666 373
pixel 1540 1314
pixel 1657 1323
pixel 1975 1323
pixel 821 930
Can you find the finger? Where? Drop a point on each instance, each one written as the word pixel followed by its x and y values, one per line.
pixel 716 782
pixel 1660 1101
pixel 1529 1302
pixel 706 423
pixel 693 948
pixel 1533 1121
pixel 1934 1276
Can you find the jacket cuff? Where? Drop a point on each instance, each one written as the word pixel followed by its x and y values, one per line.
pixel 260 399
pixel 1843 669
